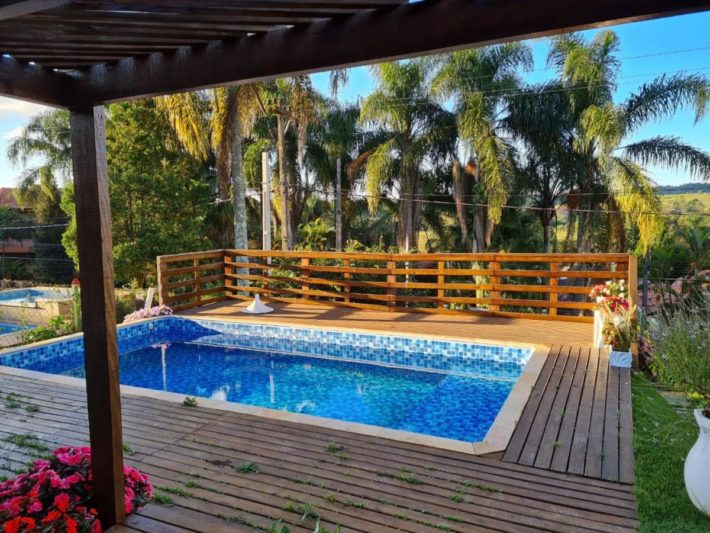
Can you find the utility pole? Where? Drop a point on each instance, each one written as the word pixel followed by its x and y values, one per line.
pixel 265 202
pixel 338 208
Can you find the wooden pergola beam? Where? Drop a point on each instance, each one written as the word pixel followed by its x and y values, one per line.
pixel 10 9
pixel 34 83
pixel 409 30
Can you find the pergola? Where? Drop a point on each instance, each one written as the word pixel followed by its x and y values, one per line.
pixel 82 54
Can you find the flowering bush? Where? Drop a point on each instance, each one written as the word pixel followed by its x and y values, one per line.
pixel 612 294
pixel 55 495
pixel 142 314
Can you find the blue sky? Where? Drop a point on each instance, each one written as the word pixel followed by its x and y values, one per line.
pixel 667 45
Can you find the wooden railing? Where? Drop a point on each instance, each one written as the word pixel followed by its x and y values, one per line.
pixel 545 286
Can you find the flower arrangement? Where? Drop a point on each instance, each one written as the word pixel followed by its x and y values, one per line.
pixel 55 495
pixel 620 328
pixel 141 314
pixel 612 294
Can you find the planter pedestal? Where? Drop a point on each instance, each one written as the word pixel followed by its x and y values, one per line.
pixel 620 359
pixel 697 466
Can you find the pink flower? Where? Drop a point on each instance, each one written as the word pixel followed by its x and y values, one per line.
pixel 35 507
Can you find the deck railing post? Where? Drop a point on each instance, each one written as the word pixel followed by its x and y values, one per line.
pixel 440 279
pixel 391 289
pixel 554 281
pixel 103 395
pixel 347 276
pixel 633 279
pixel 494 279
pixel 305 274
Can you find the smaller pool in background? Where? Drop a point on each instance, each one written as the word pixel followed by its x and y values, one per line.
pixel 36 305
pixel 11 327
pixel 29 297
pixel 441 388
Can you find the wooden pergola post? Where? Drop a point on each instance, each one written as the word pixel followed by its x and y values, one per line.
pixel 98 309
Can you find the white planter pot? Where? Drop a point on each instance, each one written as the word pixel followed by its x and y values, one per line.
pixel 697 466
pixel 620 359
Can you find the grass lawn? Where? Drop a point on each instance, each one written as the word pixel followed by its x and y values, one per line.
pixel 662 439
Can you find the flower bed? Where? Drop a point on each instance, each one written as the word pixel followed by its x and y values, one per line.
pixel 56 495
pixel 141 314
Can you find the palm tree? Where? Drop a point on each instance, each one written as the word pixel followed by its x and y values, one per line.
pixel 589 71
pixel 477 81
pixel 215 122
pixel 540 119
pixel 46 137
pixel 417 133
pixel 294 103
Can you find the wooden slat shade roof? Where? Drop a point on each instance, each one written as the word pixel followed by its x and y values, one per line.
pixel 74 35
pixel 79 53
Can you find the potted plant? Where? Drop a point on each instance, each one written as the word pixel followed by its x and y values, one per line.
pixel 620 331
pixel 610 296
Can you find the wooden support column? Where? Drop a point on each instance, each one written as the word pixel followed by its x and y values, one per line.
pixel 93 218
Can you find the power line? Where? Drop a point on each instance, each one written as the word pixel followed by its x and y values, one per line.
pixel 7 228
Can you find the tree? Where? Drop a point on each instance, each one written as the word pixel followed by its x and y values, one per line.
pixel 46 138
pixel 215 122
pixel 589 71
pixel 416 132
pixel 158 199
pixel 540 119
pixel 478 82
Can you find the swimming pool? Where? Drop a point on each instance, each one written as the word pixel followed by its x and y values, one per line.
pixel 29 297
pixel 447 389
pixel 10 327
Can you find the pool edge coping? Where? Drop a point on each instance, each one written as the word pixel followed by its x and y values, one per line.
pixel 496 440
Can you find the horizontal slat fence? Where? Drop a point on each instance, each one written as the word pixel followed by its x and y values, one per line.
pixel 545 286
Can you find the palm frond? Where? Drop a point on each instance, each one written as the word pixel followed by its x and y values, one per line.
pixel 670 152
pixel 665 96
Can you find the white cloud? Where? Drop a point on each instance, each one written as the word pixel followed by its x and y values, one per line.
pixel 11 134
pixel 12 108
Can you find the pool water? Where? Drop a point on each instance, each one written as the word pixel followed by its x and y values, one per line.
pixel 10 327
pixel 437 387
pixel 433 403
pixel 29 296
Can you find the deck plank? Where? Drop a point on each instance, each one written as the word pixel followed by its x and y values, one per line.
pixel 595 442
pixel 520 436
pixel 560 457
pixel 532 444
pixel 379 485
pixel 584 406
pixel 549 441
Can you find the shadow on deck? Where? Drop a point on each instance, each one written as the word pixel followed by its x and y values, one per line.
pixel 199 458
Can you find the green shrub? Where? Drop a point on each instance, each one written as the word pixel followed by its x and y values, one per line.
pixel 57 326
pixel 681 348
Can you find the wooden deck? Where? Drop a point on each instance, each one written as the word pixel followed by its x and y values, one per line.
pixel 368 484
pixel 578 418
pixel 515 330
